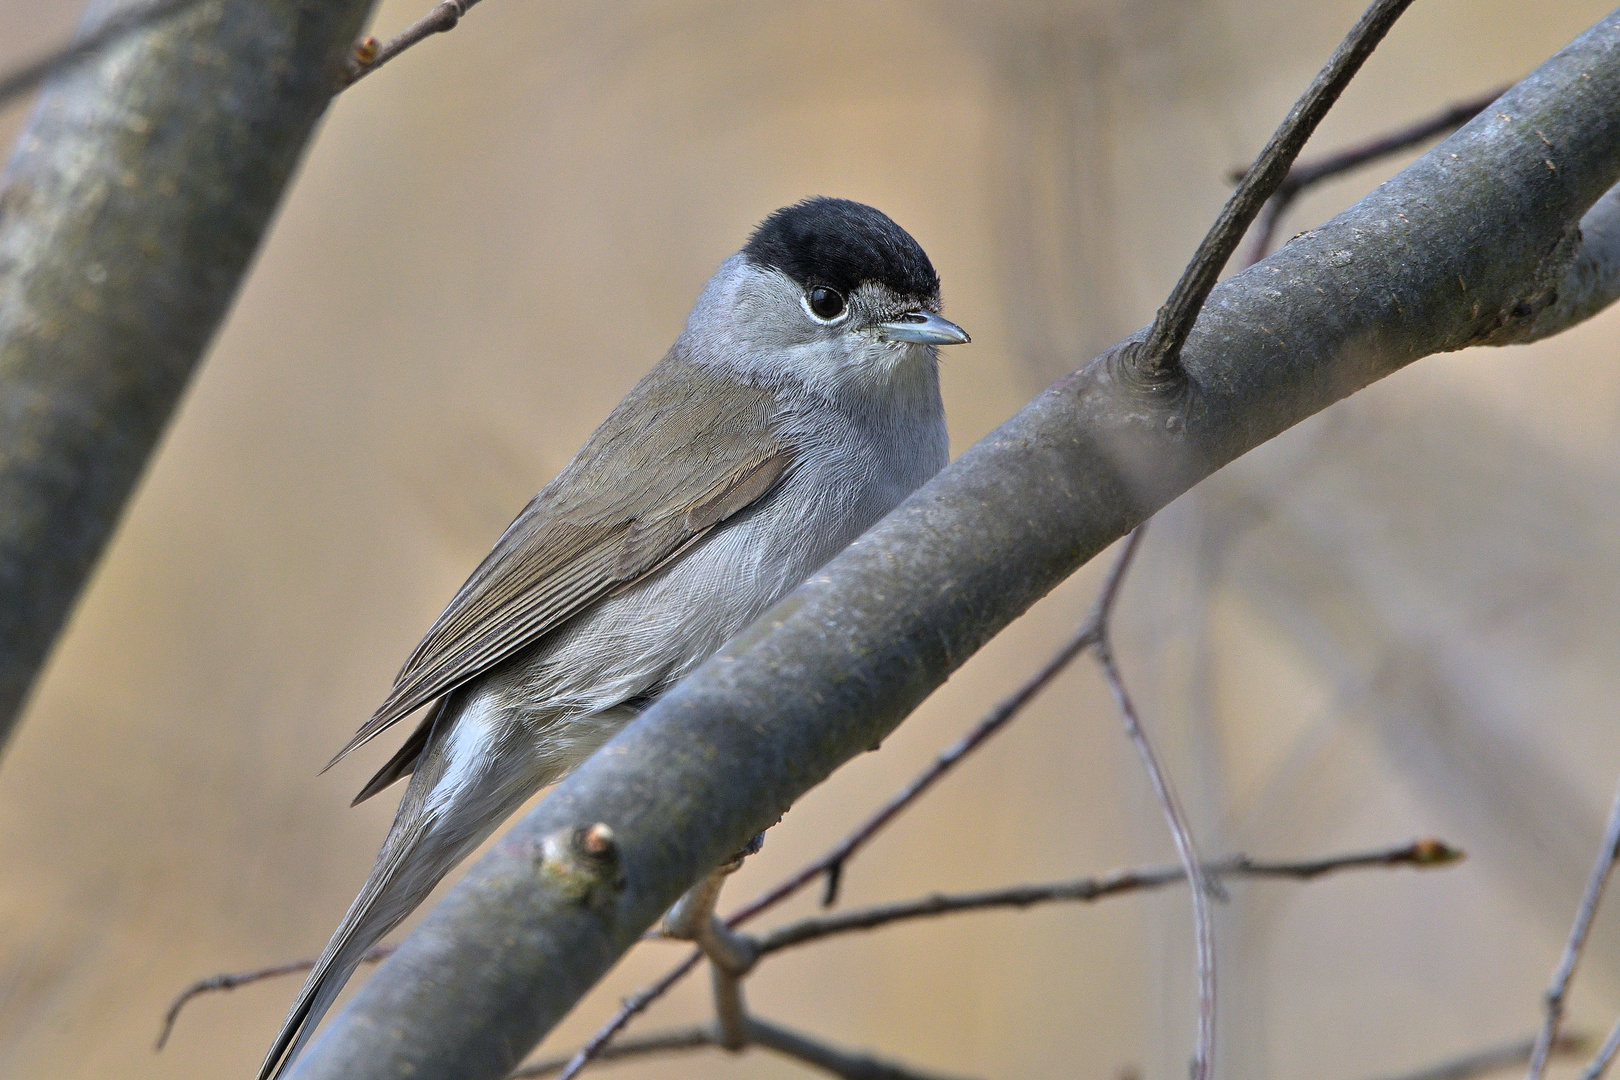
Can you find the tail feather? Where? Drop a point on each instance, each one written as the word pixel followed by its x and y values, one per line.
pixel 474 768
pixel 386 898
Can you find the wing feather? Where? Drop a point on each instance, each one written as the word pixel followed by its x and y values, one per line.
pixel 685 450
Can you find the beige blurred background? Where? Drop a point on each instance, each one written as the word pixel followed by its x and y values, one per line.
pixel 1401 618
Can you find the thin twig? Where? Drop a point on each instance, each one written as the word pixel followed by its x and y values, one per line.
pixel 1577 941
pixel 1491 1060
pixel 1306 175
pixel 232 980
pixel 841 1063
pixel 1421 853
pixel 1605 1056
pixel 369 54
pixel 1176 818
pixel 20 80
pixel 627 1011
pixel 1161 353
pixel 659 1042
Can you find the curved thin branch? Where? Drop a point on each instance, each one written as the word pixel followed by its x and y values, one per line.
pixel 232 979
pixel 370 54
pixel 600 1043
pixel 1186 848
pixel 1161 352
pixel 793 1044
pixel 1608 852
pixel 1493 1059
pixel 1466 246
pixel 1599 1066
pixel 1421 854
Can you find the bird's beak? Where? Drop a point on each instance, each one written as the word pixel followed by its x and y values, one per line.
pixel 924 328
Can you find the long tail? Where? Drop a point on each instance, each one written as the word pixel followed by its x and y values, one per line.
pixel 474 771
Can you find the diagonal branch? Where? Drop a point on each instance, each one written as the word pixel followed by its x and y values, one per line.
pixel 839 663
pixel 29 75
pixel 793 1044
pixel 369 54
pixel 832 863
pixel 233 979
pixel 1599 1066
pixel 1493 1059
pixel 131 210
pixel 1161 352
pixel 1608 852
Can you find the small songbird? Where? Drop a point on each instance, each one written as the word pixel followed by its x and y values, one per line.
pixel 799 406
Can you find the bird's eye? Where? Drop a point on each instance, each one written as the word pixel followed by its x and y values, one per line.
pixel 826 303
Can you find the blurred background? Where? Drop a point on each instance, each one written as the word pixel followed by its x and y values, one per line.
pixel 1398 619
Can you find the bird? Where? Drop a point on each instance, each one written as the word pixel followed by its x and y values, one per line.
pixel 799 405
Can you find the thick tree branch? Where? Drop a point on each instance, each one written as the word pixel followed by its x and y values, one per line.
pixel 128 215
pixel 1307 174
pixel 832 863
pixel 1467 246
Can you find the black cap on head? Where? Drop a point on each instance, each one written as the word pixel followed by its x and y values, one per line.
pixel 838 243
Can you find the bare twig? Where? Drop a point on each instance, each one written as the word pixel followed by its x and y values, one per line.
pixel 839 1063
pixel 1160 354
pixel 628 1009
pixel 1420 853
pixel 659 1042
pixel 1577 941
pixel 231 980
pixel 20 80
pixel 1493 1059
pixel 1176 818
pixel 792 1044
pixel 1305 175
pixel 369 54
pixel 1599 1065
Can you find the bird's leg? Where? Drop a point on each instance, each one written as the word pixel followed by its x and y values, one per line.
pixel 731 955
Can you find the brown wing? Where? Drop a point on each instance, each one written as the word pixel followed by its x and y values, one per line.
pixel 686 449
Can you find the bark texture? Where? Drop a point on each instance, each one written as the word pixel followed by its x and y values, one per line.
pixel 128 215
pixel 1476 243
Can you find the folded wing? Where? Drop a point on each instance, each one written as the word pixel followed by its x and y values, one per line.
pixel 701 447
